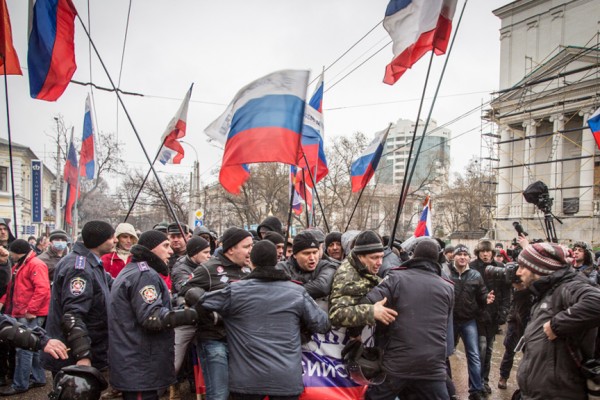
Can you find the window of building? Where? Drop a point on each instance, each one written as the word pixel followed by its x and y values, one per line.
pixel 3 179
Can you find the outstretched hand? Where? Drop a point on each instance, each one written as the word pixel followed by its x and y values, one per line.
pixel 56 349
pixel 383 314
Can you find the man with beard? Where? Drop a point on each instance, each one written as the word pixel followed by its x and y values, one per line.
pixel 229 265
pixel 116 260
pixel 141 322
pixel 80 298
pixel 583 261
pixel 494 314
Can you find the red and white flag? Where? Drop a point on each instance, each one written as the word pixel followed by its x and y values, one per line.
pixel 172 150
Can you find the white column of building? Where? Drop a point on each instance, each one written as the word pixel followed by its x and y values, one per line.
pixel 556 166
pixel 528 144
pixel 504 174
pixel 586 168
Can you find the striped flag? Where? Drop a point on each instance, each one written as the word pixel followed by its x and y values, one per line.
pixel 9 60
pixel 594 124
pixel 88 166
pixel 172 150
pixel 363 169
pixel 424 226
pixel 71 177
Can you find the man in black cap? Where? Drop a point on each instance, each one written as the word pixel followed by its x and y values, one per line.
pixel 141 322
pixel 333 245
pixel 229 265
pixel 278 240
pixel 263 313
pixel 305 266
pixel 55 251
pixel 177 241
pixel 80 298
pixel 414 359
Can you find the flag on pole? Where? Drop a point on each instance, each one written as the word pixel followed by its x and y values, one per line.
pixel 51 53
pixel 8 59
pixel 263 123
pixel 363 169
pixel 416 27
pixel 312 138
pixel 172 150
pixel 88 166
pixel 71 177
pixel 296 199
pixel 424 226
pixel 594 124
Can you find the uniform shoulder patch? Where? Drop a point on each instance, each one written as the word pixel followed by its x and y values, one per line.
pixel 80 262
pixel 77 286
pixel 143 266
pixel 149 294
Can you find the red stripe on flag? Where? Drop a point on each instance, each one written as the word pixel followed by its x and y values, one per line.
pixel 10 60
pixel 597 138
pixel 267 144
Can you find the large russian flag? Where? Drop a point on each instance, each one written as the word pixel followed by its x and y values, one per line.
pixel 263 123
pixel 363 169
pixel 51 54
pixel 71 176
pixel 416 27
pixel 594 123
pixel 172 151
pixel 424 225
pixel 87 155
pixel 9 62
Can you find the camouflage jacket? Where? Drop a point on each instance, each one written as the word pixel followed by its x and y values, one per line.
pixel 351 283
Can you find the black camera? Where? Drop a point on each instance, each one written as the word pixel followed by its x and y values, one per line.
pixel 503 275
pixel 519 229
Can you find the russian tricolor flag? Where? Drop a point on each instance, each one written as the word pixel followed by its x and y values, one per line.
pixel 363 169
pixel 424 226
pixel 71 176
pixel 51 53
pixel 172 151
pixel 416 27
pixel 263 123
pixel 87 156
pixel 594 123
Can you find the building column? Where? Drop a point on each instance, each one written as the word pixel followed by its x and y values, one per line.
pixel 586 168
pixel 556 167
pixel 504 175
pixel 528 144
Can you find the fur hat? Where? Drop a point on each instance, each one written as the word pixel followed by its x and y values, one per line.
pixel 264 254
pixel 543 258
pixel 94 233
pixel 484 245
pixel 151 239
pixel 367 242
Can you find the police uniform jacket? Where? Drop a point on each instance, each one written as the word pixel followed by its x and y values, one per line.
pixel 414 345
pixel 140 359
pixel 215 274
pixel 263 313
pixel 81 287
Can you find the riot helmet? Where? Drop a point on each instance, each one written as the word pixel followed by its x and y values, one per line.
pixel 363 364
pixel 78 382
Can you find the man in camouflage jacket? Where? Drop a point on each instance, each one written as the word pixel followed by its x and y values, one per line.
pixel 353 280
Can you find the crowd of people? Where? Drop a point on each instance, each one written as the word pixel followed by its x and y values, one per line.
pixel 120 309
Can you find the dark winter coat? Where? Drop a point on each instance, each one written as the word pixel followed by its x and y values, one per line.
pixel 81 287
pixel 216 273
pixel 140 359
pixel 496 312
pixel 51 259
pixel 317 283
pixel 470 294
pixel 414 344
pixel 263 313
pixel 181 272
pixel 547 370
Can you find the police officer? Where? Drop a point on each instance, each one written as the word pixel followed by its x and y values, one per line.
pixel 79 301
pixel 141 322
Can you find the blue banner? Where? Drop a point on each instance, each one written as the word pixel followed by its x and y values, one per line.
pixel 36 191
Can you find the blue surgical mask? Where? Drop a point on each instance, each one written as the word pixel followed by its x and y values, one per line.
pixel 59 245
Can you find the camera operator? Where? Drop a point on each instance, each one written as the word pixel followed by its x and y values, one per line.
pixel 494 314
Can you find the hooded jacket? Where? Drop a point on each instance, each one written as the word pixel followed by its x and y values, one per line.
pixel 263 313
pixel 29 290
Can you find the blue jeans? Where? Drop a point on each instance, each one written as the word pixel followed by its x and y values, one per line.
pixel 28 362
pixel 468 332
pixel 213 356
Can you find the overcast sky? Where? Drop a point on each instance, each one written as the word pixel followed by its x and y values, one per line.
pixel 223 45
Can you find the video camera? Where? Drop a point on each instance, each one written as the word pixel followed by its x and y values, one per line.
pixel 502 275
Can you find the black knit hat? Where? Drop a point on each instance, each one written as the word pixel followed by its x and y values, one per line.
pixel 94 233
pixel 427 248
pixel 263 254
pixel 233 236
pixel 461 248
pixel 151 239
pixel 367 242
pixel 195 245
pixel 174 228
pixel 304 240
pixel 333 237
pixel 271 224
pixel 274 237
pixel 58 234
pixel 20 246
